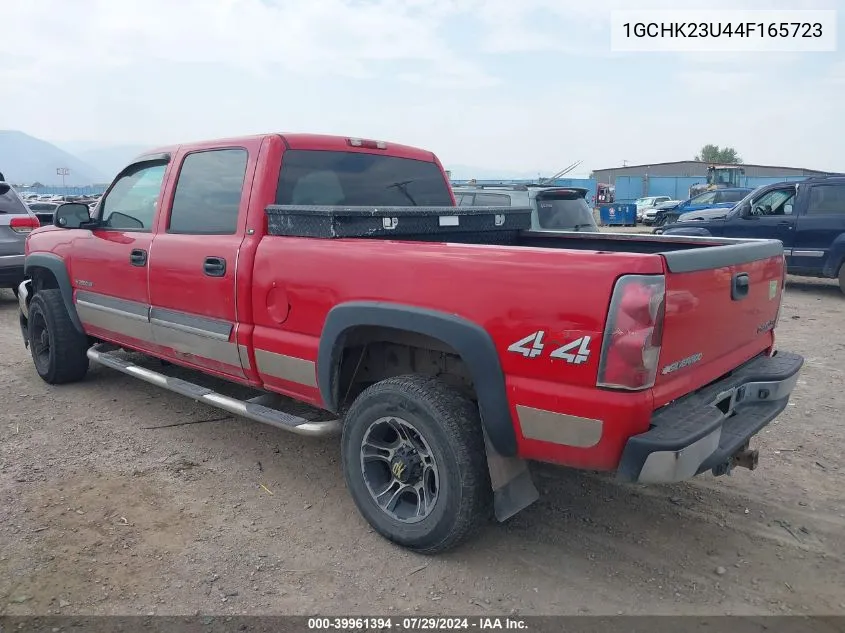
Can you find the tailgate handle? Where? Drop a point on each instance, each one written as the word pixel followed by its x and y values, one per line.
pixel 739 286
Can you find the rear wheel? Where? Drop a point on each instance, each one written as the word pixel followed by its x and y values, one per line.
pixel 415 464
pixel 58 349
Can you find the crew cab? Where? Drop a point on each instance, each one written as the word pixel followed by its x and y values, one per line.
pixel 808 217
pixel 337 280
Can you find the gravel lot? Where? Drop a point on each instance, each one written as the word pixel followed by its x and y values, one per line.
pixel 101 514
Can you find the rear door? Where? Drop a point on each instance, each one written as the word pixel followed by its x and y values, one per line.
pixel 820 234
pixel 194 263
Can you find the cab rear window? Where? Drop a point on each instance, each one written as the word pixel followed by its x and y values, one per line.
pixel 319 177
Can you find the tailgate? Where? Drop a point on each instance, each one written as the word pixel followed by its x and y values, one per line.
pixel 722 303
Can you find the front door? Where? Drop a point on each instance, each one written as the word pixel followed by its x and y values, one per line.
pixel 768 217
pixel 193 267
pixel 109 264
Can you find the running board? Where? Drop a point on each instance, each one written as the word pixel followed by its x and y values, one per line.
pixel 252 409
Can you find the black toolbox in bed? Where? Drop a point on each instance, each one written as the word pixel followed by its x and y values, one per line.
pixel 400 222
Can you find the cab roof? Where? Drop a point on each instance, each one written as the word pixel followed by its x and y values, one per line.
pixel 326 142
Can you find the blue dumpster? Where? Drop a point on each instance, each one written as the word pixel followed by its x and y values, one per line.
pixel 618 214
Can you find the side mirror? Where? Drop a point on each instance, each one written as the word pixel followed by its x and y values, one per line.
pixel 5 187
pixel 71 215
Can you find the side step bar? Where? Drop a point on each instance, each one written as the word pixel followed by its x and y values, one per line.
pixel 252 409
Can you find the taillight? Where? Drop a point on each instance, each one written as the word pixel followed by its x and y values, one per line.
pixel 24 224
pixel 360 142
pixel 782 292
pixel 633 333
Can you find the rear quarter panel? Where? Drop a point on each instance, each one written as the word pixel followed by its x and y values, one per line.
pixel 511 292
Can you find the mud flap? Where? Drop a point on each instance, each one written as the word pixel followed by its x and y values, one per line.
pixel 513 488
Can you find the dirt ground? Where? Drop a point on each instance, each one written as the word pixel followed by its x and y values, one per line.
pixel 101 514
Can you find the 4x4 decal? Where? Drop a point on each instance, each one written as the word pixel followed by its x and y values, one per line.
pixel 532 346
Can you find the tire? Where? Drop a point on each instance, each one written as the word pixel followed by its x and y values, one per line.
pixel 448 429
pixel 842 278
pixel 64 359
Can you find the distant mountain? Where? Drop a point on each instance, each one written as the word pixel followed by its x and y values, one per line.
pixel 25 159
pixel 106 159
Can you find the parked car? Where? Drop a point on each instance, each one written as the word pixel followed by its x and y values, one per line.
pixel 16 222
pixel 647 215
pixel 43 211
pixel 448 345
pixel 552 208
pixel 808 217
pixel 649 201
pixel 715 199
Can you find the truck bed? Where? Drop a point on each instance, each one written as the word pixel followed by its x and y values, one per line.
pixel 506 226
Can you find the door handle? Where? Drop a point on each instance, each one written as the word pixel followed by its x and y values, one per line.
pixel 214 266
pixel 739 286
pixel 138 257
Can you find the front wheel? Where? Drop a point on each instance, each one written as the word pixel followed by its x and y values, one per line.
pixel 58 349
pixel 415 463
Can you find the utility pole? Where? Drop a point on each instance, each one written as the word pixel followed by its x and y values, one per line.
pixel 63 171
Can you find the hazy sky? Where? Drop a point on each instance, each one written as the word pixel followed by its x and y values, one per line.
pixel 516 85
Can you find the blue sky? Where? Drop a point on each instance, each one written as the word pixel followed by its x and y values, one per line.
pixel 498 86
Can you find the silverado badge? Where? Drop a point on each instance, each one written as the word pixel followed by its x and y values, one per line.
pixel 684 362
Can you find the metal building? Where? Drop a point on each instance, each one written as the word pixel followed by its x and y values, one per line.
pixel 697 169
pixel 677 179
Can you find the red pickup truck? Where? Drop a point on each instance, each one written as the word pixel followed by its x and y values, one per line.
pixel 336 282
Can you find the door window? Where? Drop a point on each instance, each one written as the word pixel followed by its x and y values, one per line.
pixel 776 202
pixel 704 198
pixel 826 200
pixel 492 200
pixel 730 196
pixel 131 203
pixel 208 193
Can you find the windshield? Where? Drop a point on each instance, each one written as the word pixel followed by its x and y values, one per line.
pixel 746 200
pixel 564 211
pixel 314 177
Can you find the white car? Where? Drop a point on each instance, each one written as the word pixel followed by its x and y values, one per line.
pixel 643 204
pixel 649 215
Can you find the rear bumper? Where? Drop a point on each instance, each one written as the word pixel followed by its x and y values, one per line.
pixel 704 430
pixel 11 270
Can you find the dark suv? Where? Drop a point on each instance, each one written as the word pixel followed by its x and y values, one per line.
pixel 16 221
pixel 554 208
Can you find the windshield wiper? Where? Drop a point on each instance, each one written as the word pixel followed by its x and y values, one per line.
pixel 403 187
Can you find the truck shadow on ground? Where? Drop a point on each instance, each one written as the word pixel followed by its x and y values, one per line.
pixel 816 287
